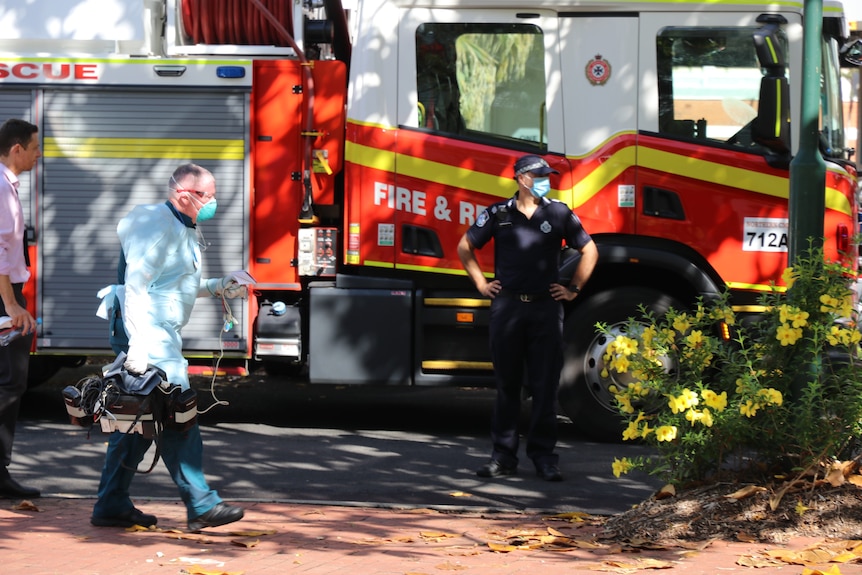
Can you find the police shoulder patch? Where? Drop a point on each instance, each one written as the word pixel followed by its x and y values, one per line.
pixel 483 219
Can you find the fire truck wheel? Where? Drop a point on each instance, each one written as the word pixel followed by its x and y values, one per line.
pixel 584 394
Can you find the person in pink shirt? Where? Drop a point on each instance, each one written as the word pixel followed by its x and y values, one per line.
pixel 19 152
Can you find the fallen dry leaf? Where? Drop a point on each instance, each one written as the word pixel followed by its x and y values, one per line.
pixel 196 570
pixel 838 471
pixel 435 536
pixel 746 491
pixel 775 499
pixel 834 570
pixel 384 541
pixel 665 492
pixel 26 505
pixel 573 516
pixel 245 543
pixel 632 566
pixel 460 494
pixel 811 556
pixel 254 533
pixel 447 566
pixel 756 561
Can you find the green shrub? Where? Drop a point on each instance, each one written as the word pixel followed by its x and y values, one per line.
pixel 782 392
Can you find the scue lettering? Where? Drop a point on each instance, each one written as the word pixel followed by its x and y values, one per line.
pixel 48 71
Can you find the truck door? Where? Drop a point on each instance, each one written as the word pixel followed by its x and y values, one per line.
pixel 600 81
pixel 476 89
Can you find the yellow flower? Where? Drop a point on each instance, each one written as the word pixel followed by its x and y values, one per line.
pixel 794 315
pixel 788 335
pixel 632 431
pixel 648 335
pixel 621 466
pixel 749 408
pixel 681 323
pixel 686 399
pixel 834 337
pixel 724 314
pixel 646 431
pixel 706 418
pixel 800 319
pixel 689 398
pixel 842 336
pixel 625 345
pixel 771 396
pixel 695 338
pixel 666 433
pixel 621 364
pixel 625 403
pixel 783 312
pixel 789 277
pixel 830 303
pixel 693 416
pixel 667 336
pixel 846 307
pixel 714 400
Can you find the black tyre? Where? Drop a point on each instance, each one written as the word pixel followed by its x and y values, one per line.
pixel 585 394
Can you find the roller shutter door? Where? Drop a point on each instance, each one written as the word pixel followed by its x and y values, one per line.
pixel 106 152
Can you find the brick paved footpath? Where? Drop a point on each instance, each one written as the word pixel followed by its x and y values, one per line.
pixel 55 538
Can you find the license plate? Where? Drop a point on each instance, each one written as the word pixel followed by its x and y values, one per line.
pixel 764 235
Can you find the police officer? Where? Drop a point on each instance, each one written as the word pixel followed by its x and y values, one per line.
pixel 526 326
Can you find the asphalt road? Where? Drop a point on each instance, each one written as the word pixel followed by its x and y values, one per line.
pixel 277 440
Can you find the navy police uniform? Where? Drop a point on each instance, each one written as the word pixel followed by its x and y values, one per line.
pixel 526 323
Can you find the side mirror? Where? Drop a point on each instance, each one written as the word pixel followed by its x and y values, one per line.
pixel 771 127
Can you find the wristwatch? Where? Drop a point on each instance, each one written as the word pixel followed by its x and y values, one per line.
pixel 574 289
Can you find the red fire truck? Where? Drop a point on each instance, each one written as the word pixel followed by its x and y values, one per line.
pixel 354 144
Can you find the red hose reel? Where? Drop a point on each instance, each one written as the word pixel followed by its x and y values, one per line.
pixel 234 22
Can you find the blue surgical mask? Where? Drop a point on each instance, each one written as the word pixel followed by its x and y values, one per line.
pixel 207 211
pixel 541 187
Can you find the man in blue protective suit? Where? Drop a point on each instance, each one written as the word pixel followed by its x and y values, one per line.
pixel 162 279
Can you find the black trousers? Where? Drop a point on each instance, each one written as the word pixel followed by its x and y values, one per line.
pixel 527 350
pixel 14 366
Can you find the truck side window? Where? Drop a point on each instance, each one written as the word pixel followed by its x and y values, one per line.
pixel 482 80
pixel 709 84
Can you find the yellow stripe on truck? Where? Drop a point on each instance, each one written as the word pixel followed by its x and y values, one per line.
pixel 590 184
pixel 173 148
